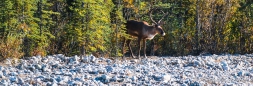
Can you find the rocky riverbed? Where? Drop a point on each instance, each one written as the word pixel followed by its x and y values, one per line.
pixel 54 70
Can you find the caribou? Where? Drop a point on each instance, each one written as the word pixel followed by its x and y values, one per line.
pixel 142 31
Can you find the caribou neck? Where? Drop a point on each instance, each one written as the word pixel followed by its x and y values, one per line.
pixel 149 32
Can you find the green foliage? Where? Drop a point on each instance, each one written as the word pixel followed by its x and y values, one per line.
pixel 41 27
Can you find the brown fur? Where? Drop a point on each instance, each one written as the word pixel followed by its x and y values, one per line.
pixel 141 30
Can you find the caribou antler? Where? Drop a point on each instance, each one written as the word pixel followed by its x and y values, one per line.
pixel 150 16
pixel 164 14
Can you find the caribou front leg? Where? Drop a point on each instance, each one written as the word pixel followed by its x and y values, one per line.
pixel 139 43
pixel 144 44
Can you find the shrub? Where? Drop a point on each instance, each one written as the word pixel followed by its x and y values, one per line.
pixel 10 47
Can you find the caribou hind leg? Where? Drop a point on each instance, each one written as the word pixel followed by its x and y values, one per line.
pixel 129 46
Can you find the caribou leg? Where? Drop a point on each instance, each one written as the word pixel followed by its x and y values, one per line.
pixel 139 43
pixel 144 44
pixel 129 46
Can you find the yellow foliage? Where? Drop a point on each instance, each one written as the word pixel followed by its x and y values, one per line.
pixel 10 48
pixel 24 27
pixel 129 3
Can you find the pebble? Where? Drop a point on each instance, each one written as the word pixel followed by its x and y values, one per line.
pixel 224 65
pixel 85 59
pixel 54 70
pixel 92 58
pixel 109 69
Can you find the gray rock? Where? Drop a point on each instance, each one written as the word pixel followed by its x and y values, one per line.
pixel 54 84
pixel 109 69
pixel 13 74
pixel 36 59
pixel 240 73
pixel 196 63
pixel 1 75
pixel 13 79
pixel 114 79
pixel 45 68
pixel 109 61
pixel 163 77
pixel 127 84
pixel 87 76
pixel 38 66
pixel 93 71
pixel 4 82
pixel 92 58
pixel 102 71
pixel 195 84
pixel 31 68
pixel 74 60
pixel 20 67
pixel 103 78
pixel 85 59
pixel 45 60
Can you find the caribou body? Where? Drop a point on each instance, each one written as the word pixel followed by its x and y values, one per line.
pixel 143 31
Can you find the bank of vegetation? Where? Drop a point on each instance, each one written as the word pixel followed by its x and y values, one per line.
pixel 79 27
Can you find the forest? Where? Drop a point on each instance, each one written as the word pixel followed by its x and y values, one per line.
pixel 82 27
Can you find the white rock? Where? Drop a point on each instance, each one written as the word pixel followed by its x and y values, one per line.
pixel 85 59
pixel 224 65
pixel 166 78
pixel 76 58
pixel 196 63
pixel 60 55
pixel 1 75
pixel 54 84
pixel 45 68
pixel 87 76
pixel 38 66
pixel 20 81
pixel 134 78
pixel 1 68
pixel 8 61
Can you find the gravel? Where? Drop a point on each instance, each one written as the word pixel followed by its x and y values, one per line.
pixel 54 70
